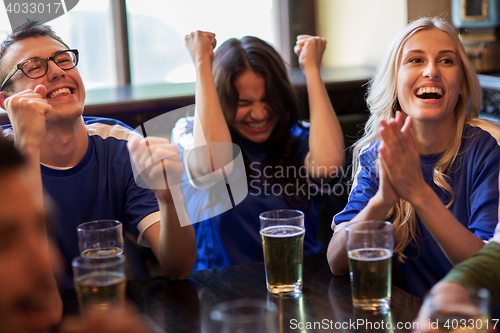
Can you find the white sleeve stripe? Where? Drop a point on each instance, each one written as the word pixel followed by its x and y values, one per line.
pixel 114 131
pixel 490 126
pixel 145 224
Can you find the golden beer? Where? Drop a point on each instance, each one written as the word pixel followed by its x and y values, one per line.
pixel 283 248
pixel 100 289
pixel 370 270
pixel 102 252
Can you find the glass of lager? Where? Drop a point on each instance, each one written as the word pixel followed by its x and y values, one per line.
pixel 99 281
pixel 282 233
pixel 100 238
pixel 369 248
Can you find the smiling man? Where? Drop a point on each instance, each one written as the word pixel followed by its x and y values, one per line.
pixel 83 163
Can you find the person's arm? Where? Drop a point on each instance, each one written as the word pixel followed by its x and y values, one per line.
pixel 27 112
pixel 210 124
pixel 481 270
pixel 173 245
pixel 401 161
pixel 326 141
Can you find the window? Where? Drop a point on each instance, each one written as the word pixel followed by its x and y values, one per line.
pixel 88 27
pixel 155 31
pixel 157 28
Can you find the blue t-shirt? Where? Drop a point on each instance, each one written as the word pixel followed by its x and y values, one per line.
pixel 474 179
pixel 101 186
pixel 233 237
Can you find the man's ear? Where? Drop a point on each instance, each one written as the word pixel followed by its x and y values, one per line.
pixel 3 97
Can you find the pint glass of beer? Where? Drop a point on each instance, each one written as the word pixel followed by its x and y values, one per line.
pixel 282 233
pixel 369 248
pixel 99 281
pixel 100 238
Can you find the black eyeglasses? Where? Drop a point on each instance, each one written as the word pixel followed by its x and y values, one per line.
pixel 37 67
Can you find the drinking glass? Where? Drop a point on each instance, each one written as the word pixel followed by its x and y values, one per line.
pixel 459 310
pixel 244 316
pixel 99 281
pixel 282 233
pixel 100 238
pixel 369 248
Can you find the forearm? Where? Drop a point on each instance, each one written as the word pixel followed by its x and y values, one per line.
pixel 326 133
pixel 480 270
pixel 210 124
pixel 456 241
pixel 336 253
pixel 32 170
pixel 176 248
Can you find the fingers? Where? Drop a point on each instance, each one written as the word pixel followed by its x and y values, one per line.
pixel 201 45
pixel 154 158
pixel 316 43
pixel 41 90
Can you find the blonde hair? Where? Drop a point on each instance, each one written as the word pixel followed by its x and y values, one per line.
pixel 383 103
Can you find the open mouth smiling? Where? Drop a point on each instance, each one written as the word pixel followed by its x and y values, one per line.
pixel 429 93
pixel 258 125
pixel 60 91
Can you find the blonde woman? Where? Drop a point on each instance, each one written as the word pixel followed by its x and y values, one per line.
pixel 425 162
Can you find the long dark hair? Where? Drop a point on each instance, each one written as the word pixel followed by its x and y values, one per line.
pixel 236 56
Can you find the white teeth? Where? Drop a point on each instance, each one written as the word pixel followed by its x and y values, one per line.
pixel 428 90
pixel 60 91
pixel 257 125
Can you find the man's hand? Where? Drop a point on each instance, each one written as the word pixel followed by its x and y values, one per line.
pixel 158 163
pixel 27 112
pixel 118 319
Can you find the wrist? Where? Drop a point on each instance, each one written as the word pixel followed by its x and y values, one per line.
pixel 203 63
pixel 425 195
pixel 379 205
pixel 311 71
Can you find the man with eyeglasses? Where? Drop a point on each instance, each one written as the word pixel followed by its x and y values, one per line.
pixel 84 164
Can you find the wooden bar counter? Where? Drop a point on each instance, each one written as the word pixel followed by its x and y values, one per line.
pixel 323 306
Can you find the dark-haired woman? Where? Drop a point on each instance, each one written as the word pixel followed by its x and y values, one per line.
pixel 244 96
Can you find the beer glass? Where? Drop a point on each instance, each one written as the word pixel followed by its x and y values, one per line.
pixel 100 238
pixel 244 316
pixel 369 248
pixel 459 309
pixel 99 281
pixel 282 233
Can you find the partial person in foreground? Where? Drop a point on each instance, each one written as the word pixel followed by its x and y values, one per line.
pixel 244 96
pixel 29 299
pixel 425 162
pixel 83 163
pixel 481 270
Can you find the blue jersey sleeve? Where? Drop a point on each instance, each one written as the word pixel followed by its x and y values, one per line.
pixel 365 185
pixel 483 165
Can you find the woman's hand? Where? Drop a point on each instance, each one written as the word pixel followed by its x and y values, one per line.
pixel 399 157
pixel 201 46
pixel 310 50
